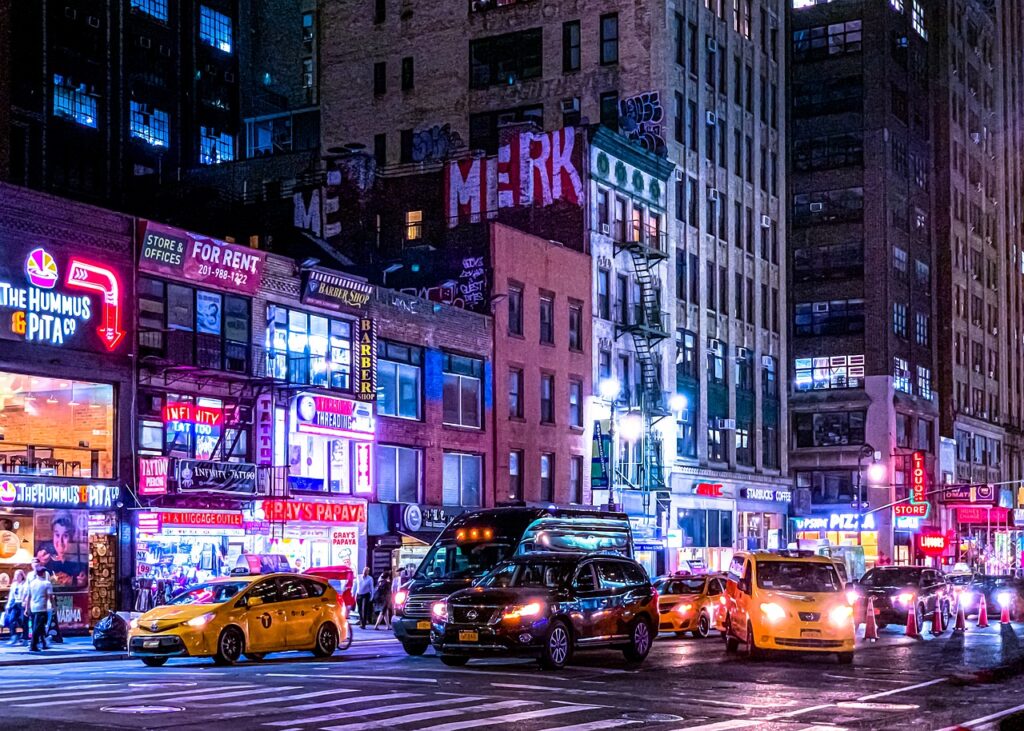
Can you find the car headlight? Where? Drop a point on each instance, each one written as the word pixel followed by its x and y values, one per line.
pixel 683 608
pixel 840 615
pixel 904 598
pixel 772 611
pixel 401 597
pixel 852 596
pixel 440 611
pixel 201 620
pixel 967 598
pixel 134 624
pixel 1004 598
pixel 519 611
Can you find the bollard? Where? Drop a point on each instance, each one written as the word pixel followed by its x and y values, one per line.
pixel 912 629
pixel 982 612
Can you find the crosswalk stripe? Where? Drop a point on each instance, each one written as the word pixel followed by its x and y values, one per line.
pixel 342 702
pixel 263 701
pixel 511 718
pixel 428 715
pixel 65 690
pixel 596 725
pixel 721 725
pixel 120 693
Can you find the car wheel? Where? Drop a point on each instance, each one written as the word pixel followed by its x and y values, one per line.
pixel 255 656
pixel 731 643
pixel 229 646
pixel 640 640
pixel 845 658
pixel 753 651
pixel 703 626
pixel 154 662
pixel 557 649
pixel 415 648
pixel 454 661
pixel 326 640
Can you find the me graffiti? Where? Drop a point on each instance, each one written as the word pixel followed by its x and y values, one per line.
pixel 640 120
pixel 435 144
pixel 534 169
pixel 318 210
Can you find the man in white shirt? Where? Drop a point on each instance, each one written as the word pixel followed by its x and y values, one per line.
pixel 38 602
pixel 364 596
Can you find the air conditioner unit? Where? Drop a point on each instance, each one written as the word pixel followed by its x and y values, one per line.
pixel 712 194
pixel 712 45
pixel 680 174
pixel 715 346
pixel 605 228
pixel 727 424
pixel 766 221
pixel 820 307
pixel 767 361
pixel 817 207
pixel 93 21
pixel 145 42
pixel 711 119
pixel 569 106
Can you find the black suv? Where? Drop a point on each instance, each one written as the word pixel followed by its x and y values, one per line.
pixel 898 589
pixel 549 605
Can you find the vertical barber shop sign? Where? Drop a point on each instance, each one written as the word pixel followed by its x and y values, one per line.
pixel 366 360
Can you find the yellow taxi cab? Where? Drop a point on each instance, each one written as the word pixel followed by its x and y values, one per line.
pixel 251 615
pixel 691 603
pixel 787 600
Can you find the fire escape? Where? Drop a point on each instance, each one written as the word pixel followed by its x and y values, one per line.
pixel 645 324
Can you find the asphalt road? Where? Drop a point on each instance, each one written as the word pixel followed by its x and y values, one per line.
pixel 685 684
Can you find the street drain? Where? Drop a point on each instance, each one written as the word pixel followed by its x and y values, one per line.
pixel 652 717
pixel 142 710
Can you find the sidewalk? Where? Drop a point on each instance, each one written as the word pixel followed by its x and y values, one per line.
pixel 80 649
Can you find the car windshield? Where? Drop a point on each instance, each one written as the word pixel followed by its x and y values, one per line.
pixel 798 576
pixel 210 593
pixel 529 574
pixel 448 561
pixel 959 579
pixel 891 577
pixel 681 586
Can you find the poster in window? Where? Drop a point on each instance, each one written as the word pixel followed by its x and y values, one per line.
pixel 208 312
pixel 61 545
pixel 340 466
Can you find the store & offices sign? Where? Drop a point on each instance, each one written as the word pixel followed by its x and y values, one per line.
pixel 835 522
pixel 233 478
pixel 42 495
pixel 333 416
pixel 201 260
pixel 286 510
pixel 327 289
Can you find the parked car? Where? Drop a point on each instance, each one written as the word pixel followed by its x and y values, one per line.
pixel 898 590
pixel 688 603
pixel 341 578
pixel 996 590
pixel 549 605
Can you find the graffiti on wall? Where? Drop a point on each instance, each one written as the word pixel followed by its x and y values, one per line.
pixel 532 169
pixel 472 281
pixel 318 210
pixel 435 143
pixel 640 120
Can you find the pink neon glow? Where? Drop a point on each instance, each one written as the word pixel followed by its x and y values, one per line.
pixel 95 278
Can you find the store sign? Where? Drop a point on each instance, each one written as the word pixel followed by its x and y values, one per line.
pixel 333 416
pixel 233 478
pixel 63 301
pixel 932 544
pixel 760 493
pixel 326 289
pixel 201 417
pixel 709 489
pixel 970 494
pixel 908 523
pixel 288 510
pixel 153 474
pixel 363 484
pixel 40 495
pixel 366 359
pixel 345 547
pixel 982 515
pixel 200 260
pixel 835 522
pixel 412 518
pixel 918 478
pixel 910 510
pixel 190 522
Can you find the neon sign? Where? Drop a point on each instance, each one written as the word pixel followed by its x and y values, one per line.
pixel 835 522
pixel 917 477
pixel 932 544
pixel 708 489
pixel 333 416
pixel 918 506
pixel 910 510
pixel 99 497
pixel 92 277
pixel 363 481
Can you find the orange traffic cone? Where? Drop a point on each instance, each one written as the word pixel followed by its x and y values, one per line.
pixel 1004 616
pixel 912 629
pixel 982 612
pixel 870 625
pixel 961 620
pixel 937 628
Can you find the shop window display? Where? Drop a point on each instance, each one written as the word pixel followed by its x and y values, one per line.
pixel 309 349
pixel 186 426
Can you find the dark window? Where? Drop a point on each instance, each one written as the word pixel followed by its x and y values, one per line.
pixel 679 122
pixel 380 149
pixel 575 327
pixel 571 46
pixel 691 128
pixel 408 78
pixel 603 298
pixel 828 261
pixel 680 29
pixel 547 320
pixel 770 446
pixel 576 480
pixel 405 146
pixel 547 398
pixel 610 110
pixel 830 96
pixel 575 403
pixel 483 126
pixel 379 11
pixel 505 59
pixel 380 77
pixel 692 45
pixel 515 393
pixel 828 428
pixel 686 362
pixel 610 38
pixel 769 377
pixel 824 153
pixel 515 310
pixel 833 317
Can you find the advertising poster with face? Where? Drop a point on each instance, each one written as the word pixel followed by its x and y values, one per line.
pixel 62 547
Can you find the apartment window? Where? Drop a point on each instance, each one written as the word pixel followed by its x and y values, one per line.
pixel 413 225
pixel 694 276
pixel 380 148
pixel 547 398
pixel 571 46
pixel 744 451
pixel 576 404
pixel 610 110
pixel 716 442
pixel 610 38
pixel 73 102
pixel 744 366
pixel 686 433
pixel 399 474
pixel 925 435
pixel 691 127
pixel 604 365
pixel 463 377
pixel 154 8
pixel 710 60
pixel 215 147
pixel 309 349
pixel 841 204
pixel 408 74
pixel 380 77
pixel 828 428
pixel 515 393
pixel 150 125
pixel 214 29
pixel 899 319
pixel 622 300
pixel 547 320
pixel 575 326
pixel 515 474
pixel 379 11
pixel 924 382
pixel 462 479
pixel 834 317
pixel 770 377
pixel 824 41
pixel 515 309
pixel 899 262
pixel 399 378
pixel 686 358
pixel 828 152
pixel 917 19
pixel 505 59
pixel 692 45
pixel 716 362
pixel 603 298
pixel 576 480
pixel 921 328
pixel 547 477
pixel 901 375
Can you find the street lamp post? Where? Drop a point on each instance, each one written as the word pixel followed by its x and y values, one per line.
pixel 610 388
pixel 865 451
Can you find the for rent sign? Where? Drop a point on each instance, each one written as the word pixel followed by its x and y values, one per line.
pixel 178 254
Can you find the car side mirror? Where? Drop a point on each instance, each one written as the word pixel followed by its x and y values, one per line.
pixel 253 602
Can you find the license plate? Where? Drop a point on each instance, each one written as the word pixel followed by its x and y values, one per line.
pixel 151 643
pixel 810 633
pixel 423 625
pixel 468 636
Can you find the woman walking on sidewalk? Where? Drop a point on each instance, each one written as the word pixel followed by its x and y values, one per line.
pixel 364 597
pixel 382 601
pixel 14 612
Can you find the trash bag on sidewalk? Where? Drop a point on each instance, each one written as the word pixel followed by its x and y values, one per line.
pixel 110 633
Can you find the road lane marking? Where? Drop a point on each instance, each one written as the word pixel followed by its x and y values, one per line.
pixel 19 693
pixel 856 705
pixel 300 697
pixel 341 702
pixel 356 677
pixel 986 719
pixel 146 696
pixel 425 716
pixel 510 718
pixel 797 712
pixel 904 689
pixel 596 725
pixel 573 691
pixel 721 725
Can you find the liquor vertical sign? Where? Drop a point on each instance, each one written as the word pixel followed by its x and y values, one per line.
pixel 366 360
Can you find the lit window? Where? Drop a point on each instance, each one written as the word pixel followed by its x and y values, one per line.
pixel 917 19
pixel 73 102
pixel 215 148
pixel 154 8
pixel 924 382
pixel 829 373
pixel 214 29
pixel 150 125
pixel 896 5
pixel 901 375
pixel 413 225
